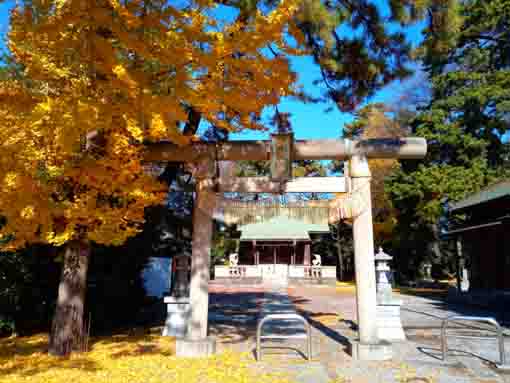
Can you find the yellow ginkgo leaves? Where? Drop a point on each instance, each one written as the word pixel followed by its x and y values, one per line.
pixel 100 79
pixel 122 359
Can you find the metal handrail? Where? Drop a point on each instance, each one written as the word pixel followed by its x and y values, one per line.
pixel 489 320
pixel 275 317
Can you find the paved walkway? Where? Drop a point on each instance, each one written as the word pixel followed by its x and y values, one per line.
pixel 276 301
pixel 331 312
pixel 288 356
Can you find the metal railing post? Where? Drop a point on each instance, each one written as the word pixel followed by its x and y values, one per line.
pixel 501 346
pixel 275 317
pixel 309 333
pixel 444 346
pixel 489 320
pixel 258 340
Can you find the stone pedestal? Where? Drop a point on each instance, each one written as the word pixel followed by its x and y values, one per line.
pixel 177 317
pixel 195 348
pixel 378 351
pixel 389 325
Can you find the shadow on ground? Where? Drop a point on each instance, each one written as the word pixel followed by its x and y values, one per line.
pixel 233 315
pixel 28 356
pixel 495 307
pixel 233 318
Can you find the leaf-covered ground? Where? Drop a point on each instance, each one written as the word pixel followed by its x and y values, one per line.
pixel 121 358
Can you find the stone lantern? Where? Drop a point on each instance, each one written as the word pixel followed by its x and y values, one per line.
pixel 427 271
pixel 178 303
pixel 389 324
pixel 383 275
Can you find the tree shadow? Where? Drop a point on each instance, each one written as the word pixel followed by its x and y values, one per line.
pixel 233 315
pixel 28 356
pixel 278 350
pixel 325 329
pixel 452 352
pixel 313 319
pixel 496 308
pixel 128 345
pixel 455 309
pixel 438 294
pixel 16 346
pixel 351 324
pixel 239 311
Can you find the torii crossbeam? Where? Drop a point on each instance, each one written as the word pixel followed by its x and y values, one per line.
pixel 401 148
pixel 204 156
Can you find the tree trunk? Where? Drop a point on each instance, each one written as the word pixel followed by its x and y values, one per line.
pixel 435 248
pixel 67 330
pixel 340 260
pixel 340 253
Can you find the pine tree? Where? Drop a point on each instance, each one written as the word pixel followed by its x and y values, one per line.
pixel 464 123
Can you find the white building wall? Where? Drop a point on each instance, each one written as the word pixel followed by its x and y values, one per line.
pixel 266 270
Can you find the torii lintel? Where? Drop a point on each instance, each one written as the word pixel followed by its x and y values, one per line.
pixel 328 149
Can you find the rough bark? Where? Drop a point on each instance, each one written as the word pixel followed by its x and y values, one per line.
pixel 434 245
pixel 340 267
pixel 67 330
pixel 436 248
pixel 460 261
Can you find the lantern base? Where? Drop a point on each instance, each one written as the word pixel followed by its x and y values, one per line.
pixel 389 324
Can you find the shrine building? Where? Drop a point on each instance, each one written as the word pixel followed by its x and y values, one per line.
pixel 280 250
pixel 480 225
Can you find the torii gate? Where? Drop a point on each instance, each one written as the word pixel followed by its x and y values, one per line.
pixel 204 156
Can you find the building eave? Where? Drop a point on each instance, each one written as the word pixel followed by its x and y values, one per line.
pixel 490 193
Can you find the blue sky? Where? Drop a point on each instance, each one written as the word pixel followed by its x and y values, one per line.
pixel 309 121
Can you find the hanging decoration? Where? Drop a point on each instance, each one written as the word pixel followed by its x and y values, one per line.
pixel 245 212
pixel 344 206
pixel 347 205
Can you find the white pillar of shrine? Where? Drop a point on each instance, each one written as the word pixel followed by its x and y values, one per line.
pixel 197 343
pixel 307 255
pixel 368 347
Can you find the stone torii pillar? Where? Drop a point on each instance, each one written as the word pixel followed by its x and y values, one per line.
pixel 197 342
pixel 205 154
pixel 364 263
pixel 368 347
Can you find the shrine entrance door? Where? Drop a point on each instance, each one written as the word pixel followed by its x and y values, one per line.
pixel 274 262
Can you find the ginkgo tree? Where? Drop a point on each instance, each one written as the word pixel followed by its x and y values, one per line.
pixel 95 81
